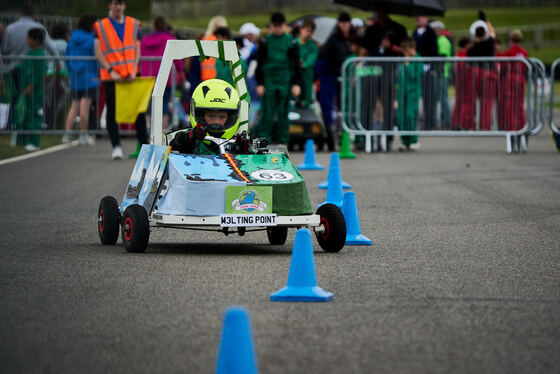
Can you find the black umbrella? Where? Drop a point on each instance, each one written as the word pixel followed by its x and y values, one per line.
pixel 404 7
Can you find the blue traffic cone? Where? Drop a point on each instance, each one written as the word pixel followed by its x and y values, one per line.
pixel 237 351
pixel 353 232
pixel 335 194
pixel 309 162
pixel 302 283
pixel 334 172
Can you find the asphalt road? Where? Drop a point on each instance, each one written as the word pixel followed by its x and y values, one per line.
pixel 463 275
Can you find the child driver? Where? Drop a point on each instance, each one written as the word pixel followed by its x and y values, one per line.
pixel 214 112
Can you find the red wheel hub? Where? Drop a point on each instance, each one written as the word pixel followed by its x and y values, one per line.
pixel 325 234
pixel 101 220
pixel 128 228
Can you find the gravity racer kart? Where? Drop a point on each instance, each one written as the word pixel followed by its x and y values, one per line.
pixel 226 193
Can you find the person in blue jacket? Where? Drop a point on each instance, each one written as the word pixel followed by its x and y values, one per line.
pixel 83 77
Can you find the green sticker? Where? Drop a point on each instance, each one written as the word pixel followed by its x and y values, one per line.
pixel 248 199
pixel 365 71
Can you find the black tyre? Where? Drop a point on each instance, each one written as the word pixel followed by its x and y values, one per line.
pixel 135 229
pixel 277 235
pixel 332 239
pixel 108 219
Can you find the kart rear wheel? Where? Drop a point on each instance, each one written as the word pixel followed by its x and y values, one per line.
pixel 135 229
pixel 333 237
pixel 277 235
pixel 108 218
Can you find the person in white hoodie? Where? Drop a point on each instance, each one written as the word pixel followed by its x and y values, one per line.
pixel 250 34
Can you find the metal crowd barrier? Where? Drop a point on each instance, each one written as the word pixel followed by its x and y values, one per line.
pixel 538 80
pixel 551 123
pixel 382 98
pixel 52 105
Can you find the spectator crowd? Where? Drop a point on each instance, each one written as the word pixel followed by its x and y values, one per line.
pixel 284 67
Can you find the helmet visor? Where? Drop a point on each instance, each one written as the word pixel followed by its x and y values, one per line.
pixel 216 119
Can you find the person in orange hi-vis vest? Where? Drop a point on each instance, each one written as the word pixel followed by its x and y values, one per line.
pixel 208 66
pixel 117 48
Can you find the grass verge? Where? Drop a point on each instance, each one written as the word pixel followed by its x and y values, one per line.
pixel 7 151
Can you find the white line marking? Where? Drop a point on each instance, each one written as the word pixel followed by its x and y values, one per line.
pixel 39 153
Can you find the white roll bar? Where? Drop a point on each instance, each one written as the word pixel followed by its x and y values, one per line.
pixel 180 49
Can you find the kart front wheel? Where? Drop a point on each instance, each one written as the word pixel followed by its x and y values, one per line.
pixel 277 235
pixel 135 229
pixel 333 236
pixel 108 217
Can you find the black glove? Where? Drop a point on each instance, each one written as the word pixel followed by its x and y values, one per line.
pixel 243 142
pixel 197 133
pixel 481 15
pixel 261 143
pixel 181 143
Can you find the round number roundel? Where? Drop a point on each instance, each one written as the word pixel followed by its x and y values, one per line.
pixel 272 175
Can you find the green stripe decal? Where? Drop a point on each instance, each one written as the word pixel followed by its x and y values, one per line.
pixel 200 51
pixel 238 78
pixel 221 53
pixel 236 64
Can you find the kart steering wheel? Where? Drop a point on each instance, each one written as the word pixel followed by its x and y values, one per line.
pixel 221 143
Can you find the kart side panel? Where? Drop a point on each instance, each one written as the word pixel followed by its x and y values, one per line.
pixel 197 183
pixel 146 177
pixel 291 199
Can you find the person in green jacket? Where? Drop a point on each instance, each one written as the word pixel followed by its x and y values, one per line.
pixel 29 115
pixel 409 91
pixel 308 52
pixel 278 76
pixel 443 74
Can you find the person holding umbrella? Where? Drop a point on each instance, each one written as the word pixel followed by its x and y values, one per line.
pixel 384 26
pixel 383 39
pixel 426 46
pixel 331 57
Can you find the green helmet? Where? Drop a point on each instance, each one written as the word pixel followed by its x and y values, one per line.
pixel 216 95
